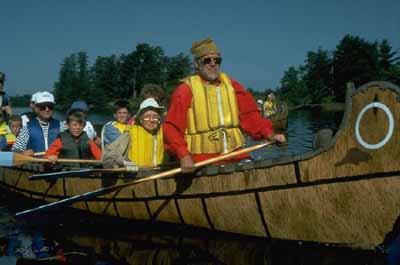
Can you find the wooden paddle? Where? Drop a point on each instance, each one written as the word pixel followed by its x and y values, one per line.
pixel 9 159
pixel 164 174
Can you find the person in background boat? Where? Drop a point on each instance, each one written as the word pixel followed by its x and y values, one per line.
pixel 209 110
pixel 27 116
pixel 260 106
pixel 81 105
pixel 150 91
pixel 73 143
pixel 4 99
pixel 13 129
pixel 113 129
pixel 142 145
pixel 270 107
pixel 40 132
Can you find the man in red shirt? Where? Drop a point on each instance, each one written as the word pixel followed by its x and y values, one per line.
pixel 209 111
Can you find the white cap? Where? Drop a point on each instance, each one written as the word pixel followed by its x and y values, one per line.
pixel 44 97
pixel 149 103
pixel 259 101
pixel 34 95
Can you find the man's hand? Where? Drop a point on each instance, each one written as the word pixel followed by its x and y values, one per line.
pixel 187 164
pixel 280 138
pixel 52 159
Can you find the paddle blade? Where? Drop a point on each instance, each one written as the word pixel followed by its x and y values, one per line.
pixel 20 159
pixel 6 159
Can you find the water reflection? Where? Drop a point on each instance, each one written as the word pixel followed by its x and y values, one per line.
pixel 302 125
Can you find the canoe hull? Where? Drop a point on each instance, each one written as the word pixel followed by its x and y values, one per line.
pixel 346 193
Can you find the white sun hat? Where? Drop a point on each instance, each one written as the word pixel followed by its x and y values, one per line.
pixel 44 97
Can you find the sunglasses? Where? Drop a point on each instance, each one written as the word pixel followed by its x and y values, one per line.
pixel 151 118
pixel 217 60
pixel 43 107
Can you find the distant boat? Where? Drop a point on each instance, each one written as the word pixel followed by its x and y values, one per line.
pixel 279 117
pixel 347 192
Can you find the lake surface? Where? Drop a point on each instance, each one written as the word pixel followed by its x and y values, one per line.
pixel 155 244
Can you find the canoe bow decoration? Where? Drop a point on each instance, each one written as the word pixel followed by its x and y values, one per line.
pixel 389 116
pixel 347 192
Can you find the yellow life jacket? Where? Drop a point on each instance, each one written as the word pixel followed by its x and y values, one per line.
pixel 10 138
pixel 3 128
pixel 4 131
pixel 269 108
pixel 213 117
pixel 146 149
pixel 122 127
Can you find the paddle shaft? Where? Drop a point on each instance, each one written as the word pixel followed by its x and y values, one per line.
pixel 106 190
pixel 64 160
pixel 20 159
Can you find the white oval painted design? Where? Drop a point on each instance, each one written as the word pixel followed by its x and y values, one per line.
pixel 388 134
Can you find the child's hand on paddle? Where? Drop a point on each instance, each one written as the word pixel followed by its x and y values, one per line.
pixel 28 152
pixel 52 159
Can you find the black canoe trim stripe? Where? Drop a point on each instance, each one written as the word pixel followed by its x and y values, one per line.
pixel 156 187
pixel 18 178
pixel 203 203
pixel 146 203
pixel 45 195
pixel 228 193
pixel 87 206
pixel 179 211
pixel 64 187
pixel 260 211
pixel 264 189
pixel 297 171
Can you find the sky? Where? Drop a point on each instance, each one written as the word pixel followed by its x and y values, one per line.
pixel 258 39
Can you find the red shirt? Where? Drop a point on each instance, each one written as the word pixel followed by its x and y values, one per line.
pixel 174 125
pixel 56 146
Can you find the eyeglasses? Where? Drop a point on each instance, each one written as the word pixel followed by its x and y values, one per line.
pixel 216 60
pixel 151 118
pixel 43 107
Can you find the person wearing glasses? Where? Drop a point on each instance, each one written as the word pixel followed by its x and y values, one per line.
pixel 40 132
pixel 142 144
pixel 209 110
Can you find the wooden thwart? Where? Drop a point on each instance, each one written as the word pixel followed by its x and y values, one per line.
pixel 164 174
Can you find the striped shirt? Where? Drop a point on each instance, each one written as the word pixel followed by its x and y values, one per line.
pixel 21 143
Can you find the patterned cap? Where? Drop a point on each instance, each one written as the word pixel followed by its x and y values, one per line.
pixel 203 47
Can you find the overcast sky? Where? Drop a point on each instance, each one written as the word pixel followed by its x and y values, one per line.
pixel 259 39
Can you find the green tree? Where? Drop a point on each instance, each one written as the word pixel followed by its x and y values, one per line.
pixel 65 87
pixel 105 81
pixel 317 76
pixel 355 60
pixel 388 70
pixel 293 88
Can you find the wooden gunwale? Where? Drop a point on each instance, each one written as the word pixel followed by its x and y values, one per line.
pixel 342 194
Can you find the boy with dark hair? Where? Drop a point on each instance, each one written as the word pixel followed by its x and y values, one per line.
pixel 73 143
pixel 113 129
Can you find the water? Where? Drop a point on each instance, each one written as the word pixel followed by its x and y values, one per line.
pixel 118 243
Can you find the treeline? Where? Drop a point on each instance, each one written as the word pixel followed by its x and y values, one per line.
pixel 117 76
pixel 321 79
pixel 324 75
